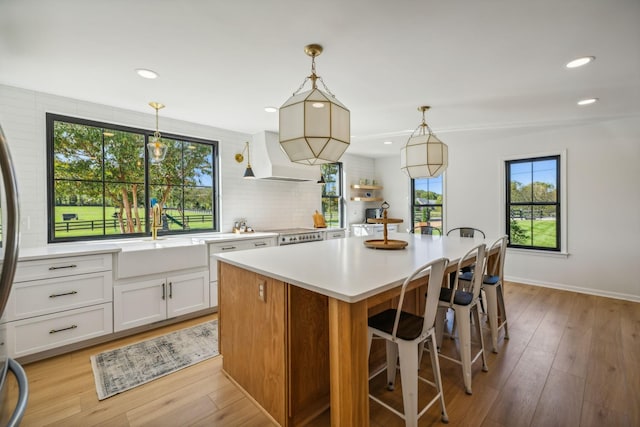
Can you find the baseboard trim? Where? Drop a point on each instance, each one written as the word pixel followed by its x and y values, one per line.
pixel 578 289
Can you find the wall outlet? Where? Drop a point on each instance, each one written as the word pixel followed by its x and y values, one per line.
pixel 262 291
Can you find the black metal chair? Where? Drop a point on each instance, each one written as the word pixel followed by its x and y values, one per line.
pixel 467 232
pixel 429 230
pixel 426 229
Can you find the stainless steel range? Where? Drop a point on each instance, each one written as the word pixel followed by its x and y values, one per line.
pixel 290 236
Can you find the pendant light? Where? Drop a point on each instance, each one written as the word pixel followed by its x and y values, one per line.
pixel 314 125
pixel 157 149
pixel 248 172
pixel 424 155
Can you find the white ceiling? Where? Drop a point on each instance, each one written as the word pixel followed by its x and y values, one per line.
pixel 479 64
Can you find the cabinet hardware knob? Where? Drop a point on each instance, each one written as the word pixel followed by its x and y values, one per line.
pixel 63 266
pixel 61 295
pixel 53 331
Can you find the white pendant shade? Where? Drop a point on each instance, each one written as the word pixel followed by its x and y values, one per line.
pixel 314 126
pixel 424 155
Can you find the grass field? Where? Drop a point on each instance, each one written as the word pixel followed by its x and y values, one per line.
pixel 543 232
pixel 89 221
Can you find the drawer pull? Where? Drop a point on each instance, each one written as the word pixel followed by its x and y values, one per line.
pixel 61 295
pixel 170 290
pixel 228 248
pixel 53 331
pixel 63 266
pixel 164 290
pixel 260 244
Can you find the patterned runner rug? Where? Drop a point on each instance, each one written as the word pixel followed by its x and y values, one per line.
pixel 127 367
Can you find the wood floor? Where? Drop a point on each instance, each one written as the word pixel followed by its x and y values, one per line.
pixel 571 360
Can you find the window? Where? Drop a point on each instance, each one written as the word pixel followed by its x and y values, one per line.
pixel 332 194
pixel 426 203
pixel 101 182
pixel 533 203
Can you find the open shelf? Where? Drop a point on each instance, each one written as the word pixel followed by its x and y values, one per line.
pixel 366 187
pixel 366 199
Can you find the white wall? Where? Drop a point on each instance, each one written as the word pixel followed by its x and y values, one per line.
pixel 265 204
pixel 603 175
pixel 603 201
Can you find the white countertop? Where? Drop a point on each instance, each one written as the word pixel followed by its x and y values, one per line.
pixel 91 247
pixel 346 269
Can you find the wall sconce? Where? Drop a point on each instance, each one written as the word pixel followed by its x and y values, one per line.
pixel 157 149
pixel 314 126
pixel 424 155
pixel 248 173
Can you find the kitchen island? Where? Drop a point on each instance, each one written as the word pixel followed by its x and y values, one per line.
pixel 293 320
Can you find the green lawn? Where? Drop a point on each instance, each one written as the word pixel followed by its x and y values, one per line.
pixel 541 233
pixel 90 222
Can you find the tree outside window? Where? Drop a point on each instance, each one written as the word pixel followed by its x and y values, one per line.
pixel 332 194
pixel 101 183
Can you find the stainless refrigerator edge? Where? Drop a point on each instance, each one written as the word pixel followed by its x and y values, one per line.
pixel 9 237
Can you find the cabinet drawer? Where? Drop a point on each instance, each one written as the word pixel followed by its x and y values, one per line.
pixel 238 245
pixel 59 267
pixel 40 297
pixel 46 332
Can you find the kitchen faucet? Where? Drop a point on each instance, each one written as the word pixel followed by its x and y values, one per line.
pixel 156 213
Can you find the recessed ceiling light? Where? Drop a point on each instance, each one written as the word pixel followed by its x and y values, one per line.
pixel 587 101
pixel 147 74
pixel 270 109
pixel 579 62
pixel 388 142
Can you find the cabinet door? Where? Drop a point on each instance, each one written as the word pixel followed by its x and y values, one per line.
pixel 187 293
pixel 337 234
pixel 139 303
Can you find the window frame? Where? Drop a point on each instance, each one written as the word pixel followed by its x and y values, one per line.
pixel 339 197
pixel 51 118
pixel 413 205
pixel 560 203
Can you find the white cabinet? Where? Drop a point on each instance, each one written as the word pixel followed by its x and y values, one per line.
pixel 372 230
pixel 146 301
pixel 58 301
pixel 236 245
pixel 335 234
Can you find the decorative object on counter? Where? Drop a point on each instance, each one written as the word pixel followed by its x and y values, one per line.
pixel 424 155
pixel 385 243
pixel 157 149
pixel 314 126
pixel 241 226
pixel 248 172
pixel 127 367
pixel 318 220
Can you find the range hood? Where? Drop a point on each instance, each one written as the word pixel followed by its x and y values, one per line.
pixel 269 161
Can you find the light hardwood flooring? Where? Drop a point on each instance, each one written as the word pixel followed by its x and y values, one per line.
pixel 571 360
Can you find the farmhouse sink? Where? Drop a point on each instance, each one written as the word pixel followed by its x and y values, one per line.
pixel 142 257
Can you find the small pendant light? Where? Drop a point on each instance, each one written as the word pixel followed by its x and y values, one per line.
pixel 157 149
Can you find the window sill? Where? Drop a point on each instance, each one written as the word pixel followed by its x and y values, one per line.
pixel 537 252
